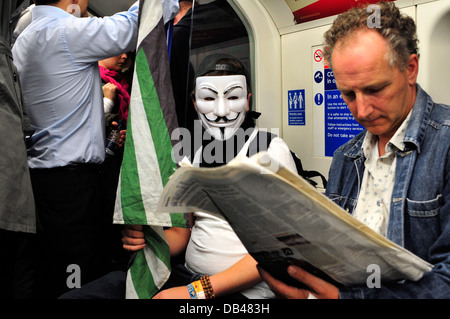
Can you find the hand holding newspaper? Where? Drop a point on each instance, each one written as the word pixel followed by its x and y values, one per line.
pixel 280 218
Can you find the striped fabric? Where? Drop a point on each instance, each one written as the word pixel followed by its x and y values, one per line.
pixel 147 162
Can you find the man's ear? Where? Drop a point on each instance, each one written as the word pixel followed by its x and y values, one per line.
pixel 248 102
pixel 412 68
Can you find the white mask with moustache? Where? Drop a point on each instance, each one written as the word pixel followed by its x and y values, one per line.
pixel 221 103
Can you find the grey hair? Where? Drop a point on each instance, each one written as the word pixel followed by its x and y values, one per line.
pixel 398 29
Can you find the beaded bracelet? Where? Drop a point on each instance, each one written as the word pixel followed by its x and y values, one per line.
pixel 207 287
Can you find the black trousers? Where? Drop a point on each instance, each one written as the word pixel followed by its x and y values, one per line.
pixel 72 227
pixel 113 285
pixel 17 255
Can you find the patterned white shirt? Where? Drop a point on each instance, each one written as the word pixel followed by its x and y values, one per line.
pixel 374 199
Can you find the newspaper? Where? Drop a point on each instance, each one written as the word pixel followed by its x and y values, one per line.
pixel 281 218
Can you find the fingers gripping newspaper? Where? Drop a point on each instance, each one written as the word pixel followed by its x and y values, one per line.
pixel 281 219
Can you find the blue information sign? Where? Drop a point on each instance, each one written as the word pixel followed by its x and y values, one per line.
pixel 340 125
pixel 318 76
pixel 296 108
pixel 318 99
pixel 330 82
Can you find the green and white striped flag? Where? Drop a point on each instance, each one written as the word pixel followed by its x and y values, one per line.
pixel 147 162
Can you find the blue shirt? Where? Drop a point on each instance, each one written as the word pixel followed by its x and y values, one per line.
pixel 57 58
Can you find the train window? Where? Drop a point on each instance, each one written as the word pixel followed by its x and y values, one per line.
pixel 101 8
pixel 208 27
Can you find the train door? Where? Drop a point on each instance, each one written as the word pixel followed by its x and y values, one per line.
pixel 208 27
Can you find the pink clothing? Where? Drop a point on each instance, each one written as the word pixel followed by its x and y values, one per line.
pixel 120 81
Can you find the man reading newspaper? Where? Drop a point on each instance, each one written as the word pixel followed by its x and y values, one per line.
pixel 394 176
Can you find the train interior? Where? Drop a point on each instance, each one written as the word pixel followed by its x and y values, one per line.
pixel 281 43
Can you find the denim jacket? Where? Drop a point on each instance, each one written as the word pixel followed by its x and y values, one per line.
pixel 420 207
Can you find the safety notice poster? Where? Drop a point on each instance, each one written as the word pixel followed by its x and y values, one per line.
pixel 296 109
pixel 339 124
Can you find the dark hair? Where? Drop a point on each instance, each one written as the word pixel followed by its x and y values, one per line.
pixel 221 64
pixel 45 2
pixel 398 29
pixel 225 64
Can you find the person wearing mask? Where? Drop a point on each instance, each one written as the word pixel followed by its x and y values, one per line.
pixel 210 251
pixel 214 254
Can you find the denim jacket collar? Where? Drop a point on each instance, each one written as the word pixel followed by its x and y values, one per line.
pixel 356 151
pixel 419 117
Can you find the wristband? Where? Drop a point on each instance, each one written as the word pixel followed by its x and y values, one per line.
pixel 201 289
pixel 191 291
pixel 196 290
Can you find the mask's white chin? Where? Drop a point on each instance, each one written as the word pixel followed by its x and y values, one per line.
pixel 217 133
pixel 222 131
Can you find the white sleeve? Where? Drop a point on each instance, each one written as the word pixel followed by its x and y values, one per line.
pixel 107 105
pixel 279 150
pixel 93 39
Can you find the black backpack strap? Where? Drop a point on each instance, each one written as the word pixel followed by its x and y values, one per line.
pixel 261 143
pixel 308 174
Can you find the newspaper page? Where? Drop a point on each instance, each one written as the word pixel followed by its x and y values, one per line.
pixel 280 218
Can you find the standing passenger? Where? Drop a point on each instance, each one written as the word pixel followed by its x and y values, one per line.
pixel 17 215
pixel 116 101
pixel 57 58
